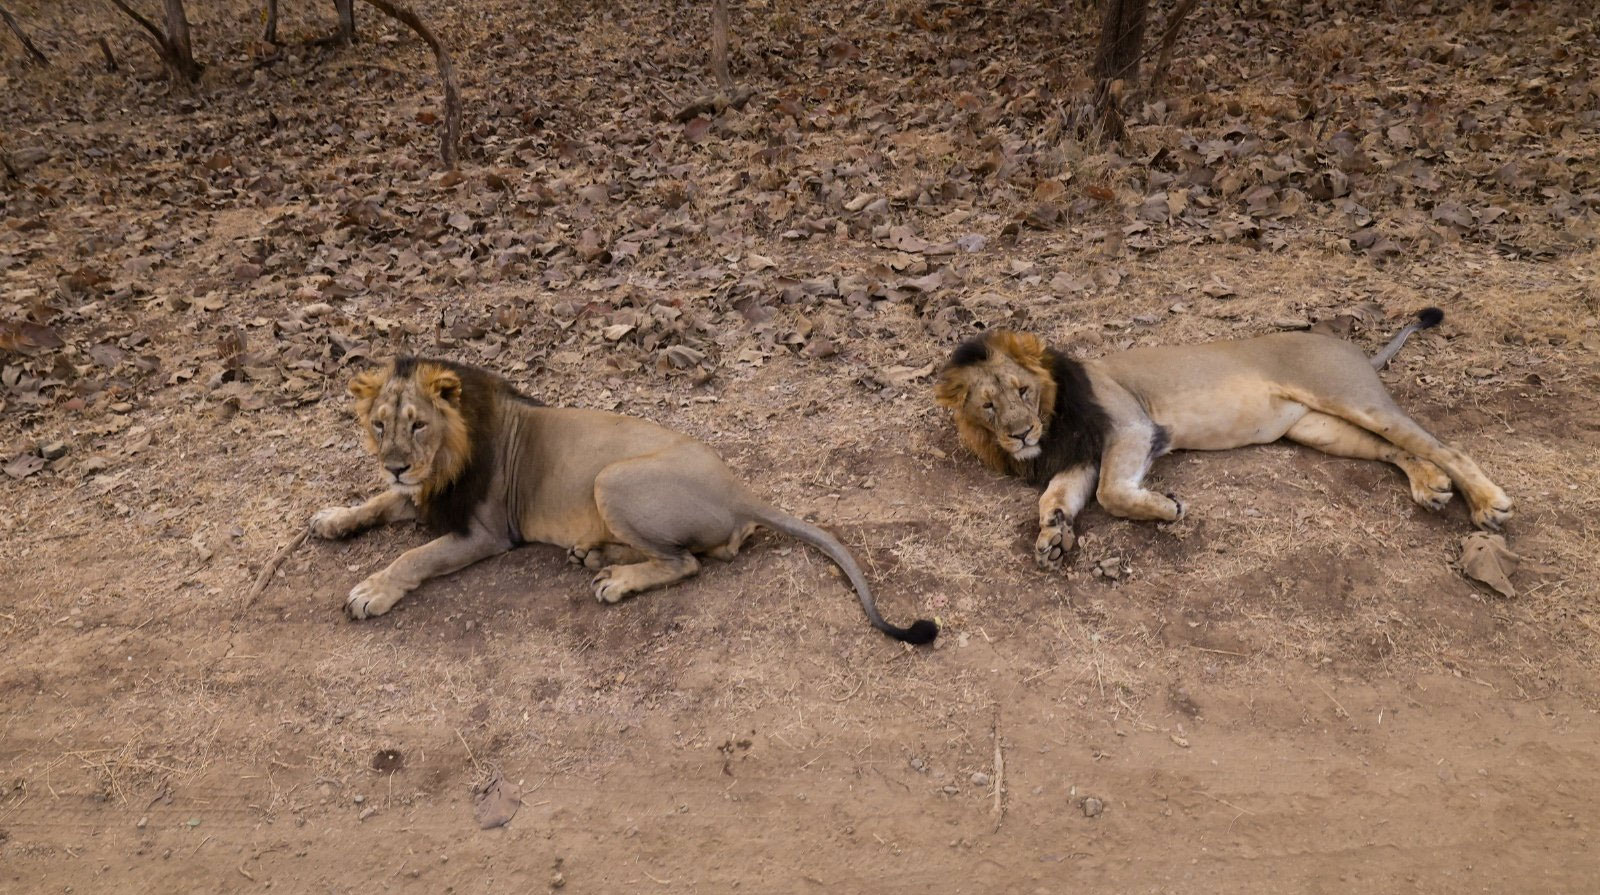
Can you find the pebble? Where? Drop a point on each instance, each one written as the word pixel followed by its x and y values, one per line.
pixel 143 822
pixel 557 880
pixel 918 764
pixel 121 407
pixel 1092 807
pixel 952 789
pixel 367 812
pixel 53 450
pixel 979 778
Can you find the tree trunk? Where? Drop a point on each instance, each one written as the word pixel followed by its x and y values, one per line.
pixel 347 20
pixel 22 37
pixel 719 44
pixel 447 74
pixel 270 33
pixel 173 46
pixel 178 40
pixel 1121 40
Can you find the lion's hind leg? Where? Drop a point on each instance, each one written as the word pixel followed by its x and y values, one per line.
pixel 1430 487
pixel 1491 507
pixel 666 509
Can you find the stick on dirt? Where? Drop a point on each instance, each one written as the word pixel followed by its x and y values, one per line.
pixel 998 811
pixel 111 58
pixel 22 36
pixel 272 565
pixel 447 74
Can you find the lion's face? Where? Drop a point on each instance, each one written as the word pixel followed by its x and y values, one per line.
pixel 1000 389
pixel 411 420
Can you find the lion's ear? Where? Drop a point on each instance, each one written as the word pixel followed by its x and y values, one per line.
pixel 364 387
pixel 950 390
pixel 1024 348
pixel 442 384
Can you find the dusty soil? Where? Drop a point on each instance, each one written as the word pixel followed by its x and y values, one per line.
pixel 1294 689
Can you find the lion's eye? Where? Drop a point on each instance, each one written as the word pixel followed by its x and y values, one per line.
pixel 418 426
pixel 1022 390
pixel 377 426
pixel 989 406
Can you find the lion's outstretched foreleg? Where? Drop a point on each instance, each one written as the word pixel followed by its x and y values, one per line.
pixel 1063 499
pixel 441 556
pixel 342 522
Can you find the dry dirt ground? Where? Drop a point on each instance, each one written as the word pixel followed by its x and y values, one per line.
pixel 1293 690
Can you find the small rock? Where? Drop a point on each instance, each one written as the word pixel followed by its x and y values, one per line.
pixel 979 778
pixel 359 799
pixel 53 450
pixel 144 821
pixel 557 880
pixel 367 812
pixel 121 407
pixel 1092 807
pixel 952 789
pixel 918 764
pixel 1111 563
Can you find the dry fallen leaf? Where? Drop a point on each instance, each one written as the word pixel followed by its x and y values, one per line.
pixel 1486 558
pixel 495 802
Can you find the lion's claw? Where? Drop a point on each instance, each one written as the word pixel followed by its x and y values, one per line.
pixel 1181 510
pixel 606 588
pixel 371 597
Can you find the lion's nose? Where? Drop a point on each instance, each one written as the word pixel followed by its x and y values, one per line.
pixel 1023 434
pixel 397 469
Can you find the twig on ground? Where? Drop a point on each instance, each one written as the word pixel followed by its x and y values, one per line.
pixel 1332 700
pixel 998 812
pixel 105 50
pixel 272 565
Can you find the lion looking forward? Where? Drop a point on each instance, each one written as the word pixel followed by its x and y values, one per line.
pixel 492 469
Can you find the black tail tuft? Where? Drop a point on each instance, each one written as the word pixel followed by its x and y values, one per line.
pixel 921 631
pixel 1429 317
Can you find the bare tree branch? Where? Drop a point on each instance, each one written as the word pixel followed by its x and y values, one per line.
pixel 1158 78
pixel 22 36
pixel 105 50
pixel 447 74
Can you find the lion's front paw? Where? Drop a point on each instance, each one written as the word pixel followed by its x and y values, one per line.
pixel 1055 539
pixel 333 523
pixel 1493 515
pixel 374 596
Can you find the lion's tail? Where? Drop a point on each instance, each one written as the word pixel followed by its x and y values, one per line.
pixel 921 631
pixel 1426 318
